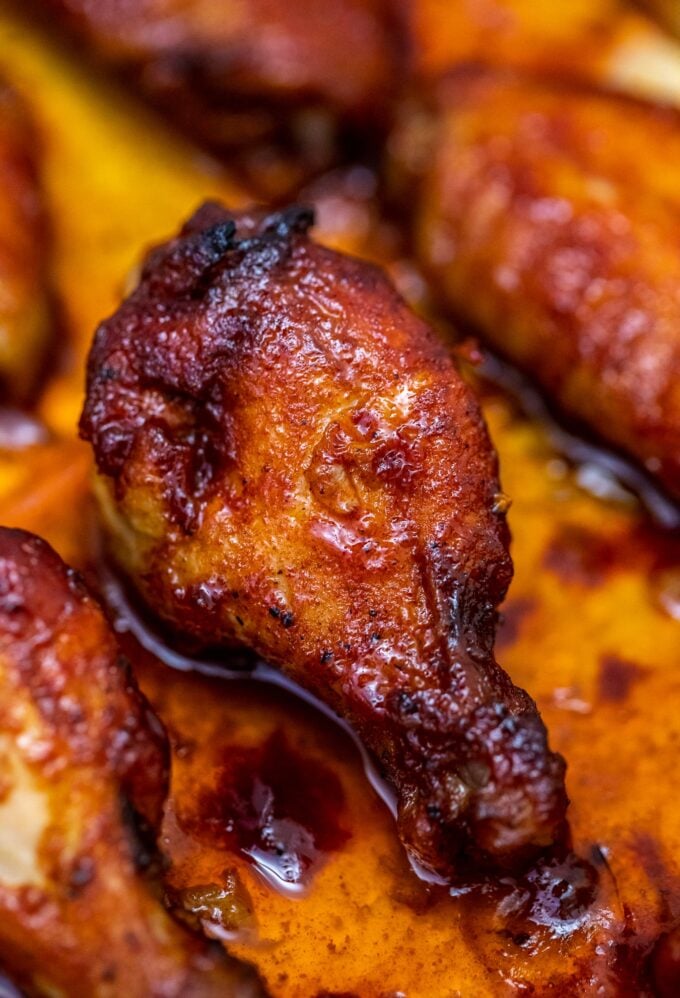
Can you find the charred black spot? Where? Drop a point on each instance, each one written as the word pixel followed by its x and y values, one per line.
pixel 297 218
pixel 579 556
pixel 270 799
pixel 220 238
pixel 406 703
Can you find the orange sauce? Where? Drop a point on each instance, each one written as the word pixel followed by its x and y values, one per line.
pixel 590 629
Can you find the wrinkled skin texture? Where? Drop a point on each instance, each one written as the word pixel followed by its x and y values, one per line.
pixel 544 225
pixel 24 312
pixel 233 71
pixel 77 741
pixel 291 462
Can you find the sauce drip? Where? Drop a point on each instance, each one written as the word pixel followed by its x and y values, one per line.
pixel 551 900
pixel 281 809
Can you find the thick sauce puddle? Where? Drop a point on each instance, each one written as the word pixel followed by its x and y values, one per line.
pixel 600 471
pixel 284 811
pixel 270 803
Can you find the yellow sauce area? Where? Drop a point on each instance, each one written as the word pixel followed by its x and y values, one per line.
pixel 591 630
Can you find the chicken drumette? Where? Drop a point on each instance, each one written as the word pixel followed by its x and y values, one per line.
pixel 544 225
pixel 236 73
pixel 82 761
pixel 290 461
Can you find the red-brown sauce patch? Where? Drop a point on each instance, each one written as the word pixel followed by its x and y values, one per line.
pixel 270 803
pixel 617 677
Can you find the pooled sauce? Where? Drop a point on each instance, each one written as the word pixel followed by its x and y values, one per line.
pixel 138 632
pixel 278 803
pixel 282 810
pixel 551 900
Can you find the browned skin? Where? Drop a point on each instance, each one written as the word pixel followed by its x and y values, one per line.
pixel 234 71
pixel 79 747
pixel 550 220
pixel 24 313
pixel 291 462
pixel 667 12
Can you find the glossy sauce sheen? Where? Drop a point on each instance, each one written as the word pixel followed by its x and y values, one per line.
pixel 365 926
pixel 286 814
pixel 272 804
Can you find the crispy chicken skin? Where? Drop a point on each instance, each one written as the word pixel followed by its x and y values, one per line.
pixel 77 741
pixel 24 312
pixel 232 71
pixel 549 219
pixel 291 462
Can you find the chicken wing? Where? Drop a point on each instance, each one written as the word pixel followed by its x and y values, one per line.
pixel 24 312
pixel 291 462
pixel 78 746
pixel 549 219
pixel 235 73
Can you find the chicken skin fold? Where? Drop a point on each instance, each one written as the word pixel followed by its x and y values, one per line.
pixel 24 307
pixel 80 752
pixel 291 462
pixel 545 226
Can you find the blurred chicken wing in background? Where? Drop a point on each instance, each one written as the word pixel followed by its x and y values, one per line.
pixel 242 73
pixel 549 219
pixel 81 755
pixel 24 309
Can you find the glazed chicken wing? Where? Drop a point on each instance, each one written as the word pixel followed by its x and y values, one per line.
pixel 24 312
pixel 550 220
pixel 237 72
pixel 80 753
pixel 291 462
pixel 602 41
